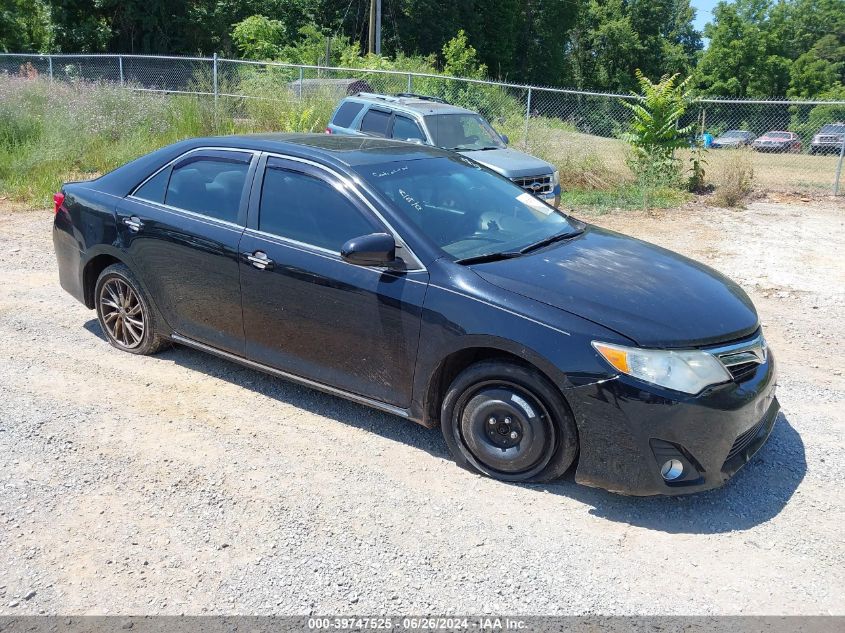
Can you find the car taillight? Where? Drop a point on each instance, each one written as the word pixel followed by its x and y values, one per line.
pixel 58 201
pixel 328 130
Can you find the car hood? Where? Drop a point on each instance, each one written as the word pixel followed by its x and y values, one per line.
pixel 652 296
pixel 511 163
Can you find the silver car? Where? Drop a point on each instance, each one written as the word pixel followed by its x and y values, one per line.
pixel 432 121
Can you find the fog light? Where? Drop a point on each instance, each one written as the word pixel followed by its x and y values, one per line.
pixel 672 469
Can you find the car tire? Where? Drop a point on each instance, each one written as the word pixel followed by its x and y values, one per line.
pixel 509 422
pixel 125 313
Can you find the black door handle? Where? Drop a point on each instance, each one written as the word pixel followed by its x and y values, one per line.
pixel 260 260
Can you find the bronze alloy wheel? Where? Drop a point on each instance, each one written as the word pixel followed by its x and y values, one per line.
pixel 122 313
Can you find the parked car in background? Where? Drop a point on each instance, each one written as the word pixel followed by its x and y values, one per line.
pixel 829 139
pixel 733 139
pixel 422 119
pixel 778 141
pixel 412 280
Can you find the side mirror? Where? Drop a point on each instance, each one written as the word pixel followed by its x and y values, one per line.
pixel 505 139
pixel 375 249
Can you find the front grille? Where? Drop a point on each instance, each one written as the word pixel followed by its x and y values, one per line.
pixel 537 185
pixel 742 359
pixel 830 139
pixel 743 370
pixel 742 442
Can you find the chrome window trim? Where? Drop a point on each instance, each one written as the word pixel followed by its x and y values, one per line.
pixel 177 159
pixel 206 219
pixel 350 186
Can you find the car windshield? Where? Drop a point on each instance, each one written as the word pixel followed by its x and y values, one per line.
pixel 833 128
pixel 462 132
pixel 778 135
pixel 734 134
pixel 465 209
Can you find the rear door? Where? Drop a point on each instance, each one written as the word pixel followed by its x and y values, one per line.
pixel 182 229
pixel 310 313
pixel 376 122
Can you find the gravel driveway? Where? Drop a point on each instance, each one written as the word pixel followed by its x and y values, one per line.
pixel 182 483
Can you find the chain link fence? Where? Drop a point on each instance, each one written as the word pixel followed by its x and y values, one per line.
pixel 790 145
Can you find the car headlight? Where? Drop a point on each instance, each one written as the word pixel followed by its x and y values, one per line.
pixel 688 371
pixel 556 178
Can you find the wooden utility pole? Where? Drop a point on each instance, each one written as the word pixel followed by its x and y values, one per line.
pixel 374 34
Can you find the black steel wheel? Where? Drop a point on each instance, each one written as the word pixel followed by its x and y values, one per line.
pixel 124 313
pixel 509 422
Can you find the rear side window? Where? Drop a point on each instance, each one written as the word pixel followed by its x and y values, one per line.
pixel 210 186
pixel 309 210
pixel 405 128
pixel 346 113
pixel 375 122
pixel 154 189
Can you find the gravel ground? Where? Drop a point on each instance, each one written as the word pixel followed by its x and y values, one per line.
pixel 186 484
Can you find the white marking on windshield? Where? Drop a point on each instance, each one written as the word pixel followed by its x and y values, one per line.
pixel 381 174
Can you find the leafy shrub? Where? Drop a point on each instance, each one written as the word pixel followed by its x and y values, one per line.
pixel 654 134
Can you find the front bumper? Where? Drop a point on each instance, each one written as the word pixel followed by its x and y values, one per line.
pixel 627 430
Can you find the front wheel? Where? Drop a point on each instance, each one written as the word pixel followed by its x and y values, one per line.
pixel 508 422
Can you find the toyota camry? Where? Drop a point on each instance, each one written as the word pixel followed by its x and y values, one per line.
pixel 416 281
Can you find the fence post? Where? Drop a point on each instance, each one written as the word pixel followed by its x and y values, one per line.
pixel 120 63
pixel 214 79
pixel 527 118
pixel 839 167
pixel 50 64
pixel 300 83
pixel 410 83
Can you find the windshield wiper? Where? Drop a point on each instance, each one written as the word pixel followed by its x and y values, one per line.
pixel 488 257
pixel 465 148
pixel 558 237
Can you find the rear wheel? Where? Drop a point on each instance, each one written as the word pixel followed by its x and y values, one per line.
pixel 508 422
pixel 124 312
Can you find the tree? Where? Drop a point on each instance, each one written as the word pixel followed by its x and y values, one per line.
pixel 25 26
pixel 745 57
pixel 259 37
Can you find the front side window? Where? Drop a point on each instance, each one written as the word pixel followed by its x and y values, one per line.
pixel 405 129
pixel 463 132
pixel 375 122
pixel 307 209
pixel 466 210
pixel 207 185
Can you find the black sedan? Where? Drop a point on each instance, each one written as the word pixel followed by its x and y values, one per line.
pixel 418 282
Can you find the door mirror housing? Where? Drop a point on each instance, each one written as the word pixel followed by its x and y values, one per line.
pixel 375 249
pixel 505 138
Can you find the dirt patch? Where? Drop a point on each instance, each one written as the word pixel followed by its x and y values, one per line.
pixel 182 483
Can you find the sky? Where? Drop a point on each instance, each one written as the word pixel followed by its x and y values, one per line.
pixel 703 12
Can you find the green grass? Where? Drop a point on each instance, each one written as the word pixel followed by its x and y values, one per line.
pixel 629 196
pixel 51 133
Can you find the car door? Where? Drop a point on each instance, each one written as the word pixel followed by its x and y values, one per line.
pixel 306 310
pixel 182 228
pixel 375 122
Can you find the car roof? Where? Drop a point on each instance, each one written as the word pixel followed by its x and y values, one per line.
pixel 339 151
pixel 416 104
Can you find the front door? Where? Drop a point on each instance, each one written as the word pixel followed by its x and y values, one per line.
pixel 310 313
pixel 182 229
